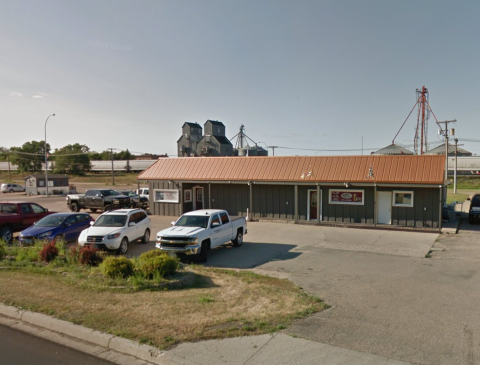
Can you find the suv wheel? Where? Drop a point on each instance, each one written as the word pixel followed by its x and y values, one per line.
pixel 122 250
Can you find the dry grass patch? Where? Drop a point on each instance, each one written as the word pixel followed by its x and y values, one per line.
pixel 221 303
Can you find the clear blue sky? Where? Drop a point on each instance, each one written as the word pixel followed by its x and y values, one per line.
pixel 304 74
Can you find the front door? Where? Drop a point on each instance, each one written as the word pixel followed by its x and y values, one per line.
pixel 313 203
pixel 384 210
pixel 197 198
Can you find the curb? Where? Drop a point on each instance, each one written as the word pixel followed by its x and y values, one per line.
pixel 111 347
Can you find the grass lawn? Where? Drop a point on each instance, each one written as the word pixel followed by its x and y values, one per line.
pixel 459 197
pixel 220 303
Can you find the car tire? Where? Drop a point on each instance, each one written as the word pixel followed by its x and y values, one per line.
pixel 74 207
pixel 10 191
pixel 237 242
pixel 6 234
pixel 107 208
pixel 57 238
pixel 123 248
pixel 93 210
pixel 203 256
pixel 146 236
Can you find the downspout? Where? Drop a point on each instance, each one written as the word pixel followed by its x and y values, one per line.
pixel 375 205
pixel 250 184
pixel 209 196
pixel 441 208
pixel 296 204
pixel 318 203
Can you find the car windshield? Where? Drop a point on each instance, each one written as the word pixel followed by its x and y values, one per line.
pixel 111 220
pixel 128 193
pixel 193 221
pixel 110 192
pixel 51 221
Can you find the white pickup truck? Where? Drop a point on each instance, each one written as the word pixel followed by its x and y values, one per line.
pixel 196 232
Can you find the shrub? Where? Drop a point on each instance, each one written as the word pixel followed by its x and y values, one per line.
pixel 3 250
pixel 89 256
pixel 73 254
pixel 162 265
pixel 48 252
pixel 151 254
pixel 29 253
pixel 115 267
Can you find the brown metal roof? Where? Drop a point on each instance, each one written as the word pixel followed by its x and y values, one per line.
pixel 386 169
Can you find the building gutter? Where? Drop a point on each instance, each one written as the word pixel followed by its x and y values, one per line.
pixel 310 183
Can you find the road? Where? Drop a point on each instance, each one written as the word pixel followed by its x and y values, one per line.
pixel 19 348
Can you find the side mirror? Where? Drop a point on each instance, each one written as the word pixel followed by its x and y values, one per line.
pixel 468 199
pixel 91 223
pixel 173 223
pixel 34 223
pixel 46 210
pixel 131 224
pixel 215 224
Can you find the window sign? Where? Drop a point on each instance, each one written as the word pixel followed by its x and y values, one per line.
pixel 346 196
pixel 166 196
pixel 402 198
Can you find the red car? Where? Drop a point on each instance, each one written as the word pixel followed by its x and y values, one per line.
pixel 16 216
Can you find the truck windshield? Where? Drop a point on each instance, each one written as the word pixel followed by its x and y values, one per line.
pixel 200 221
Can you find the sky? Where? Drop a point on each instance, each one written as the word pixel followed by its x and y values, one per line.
pixel 312 77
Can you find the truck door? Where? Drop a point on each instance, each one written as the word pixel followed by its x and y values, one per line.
pixel 226 228
pixel 216 232
pixel 89 198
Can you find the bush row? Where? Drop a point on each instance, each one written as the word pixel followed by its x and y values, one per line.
pixel 150 265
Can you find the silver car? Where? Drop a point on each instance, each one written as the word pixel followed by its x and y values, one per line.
pixel 11 188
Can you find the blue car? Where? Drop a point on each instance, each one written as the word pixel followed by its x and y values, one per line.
pixel 56 227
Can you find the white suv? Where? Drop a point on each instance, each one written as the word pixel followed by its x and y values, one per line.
pixel 115 229
pixel 10 188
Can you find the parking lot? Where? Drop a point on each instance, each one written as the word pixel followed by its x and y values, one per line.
pixel 387 298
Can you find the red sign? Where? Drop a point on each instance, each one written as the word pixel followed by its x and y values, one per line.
pixel 346 196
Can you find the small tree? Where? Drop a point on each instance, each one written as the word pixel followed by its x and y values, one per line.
pixel 30 156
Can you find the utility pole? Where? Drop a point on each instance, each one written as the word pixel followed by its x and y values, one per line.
pixel 273 149
pixel 455 170
pixel 444 132
pixel 113 171
pixel 9 171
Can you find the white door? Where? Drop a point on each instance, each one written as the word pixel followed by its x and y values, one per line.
pixel 384 210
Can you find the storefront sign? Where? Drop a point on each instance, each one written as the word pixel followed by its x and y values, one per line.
pixel 346 196
pixel 166 195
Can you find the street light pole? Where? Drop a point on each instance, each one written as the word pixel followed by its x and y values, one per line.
pixel 46 165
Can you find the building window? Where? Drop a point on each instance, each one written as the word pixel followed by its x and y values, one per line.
pixel 188 196
pixel 402 198
pixel 166 196
pixel 346 196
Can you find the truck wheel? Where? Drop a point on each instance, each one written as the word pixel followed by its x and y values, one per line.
pixel 122 250
pixel 107 208
pixel 6 234
pixel 146 236
pixel 74 207
pixel 203 252
pixel 237 242
pixel 93 210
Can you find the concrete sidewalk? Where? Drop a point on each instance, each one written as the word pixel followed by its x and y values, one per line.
pixel 271 349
